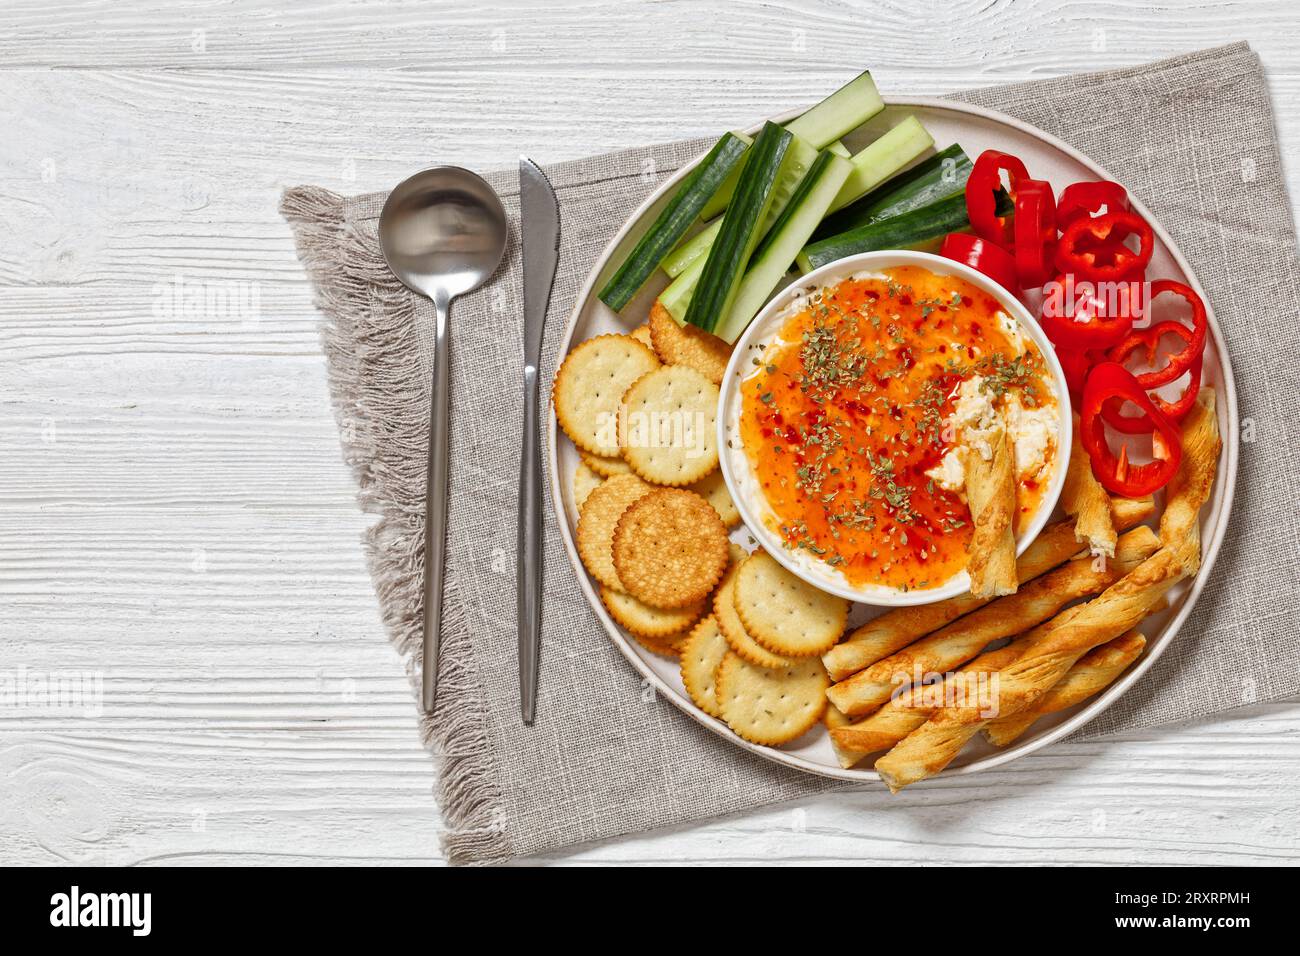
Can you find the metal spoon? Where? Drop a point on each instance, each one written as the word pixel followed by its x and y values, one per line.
pixel 443 232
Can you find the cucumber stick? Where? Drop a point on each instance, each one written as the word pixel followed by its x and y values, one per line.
pixel 741 229
pixel 914 229
pixel 883 158
pixel 819 127
pixel 942 175
pixel 772 258
pixel 871 167
pixel 842 112
pixel 799 158
pixel 839 149
pixel 677 297
pixel 671 224
pixel 690 250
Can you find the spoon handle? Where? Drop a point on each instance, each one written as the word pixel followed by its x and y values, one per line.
pixel 435 504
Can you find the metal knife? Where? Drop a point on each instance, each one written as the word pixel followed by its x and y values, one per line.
pixel 539 227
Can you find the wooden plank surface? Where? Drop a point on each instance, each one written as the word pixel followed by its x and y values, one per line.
pixel 174 511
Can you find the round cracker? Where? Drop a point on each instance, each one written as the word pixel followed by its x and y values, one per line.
pixel 606 467
pixel 771 705
pixel 652 623
pixel 642 334
pixel 584 482
pixel 667 428
pixel 786 614
pixel 713 489
pixel 596 523
pixel 737 554
pixel 701 653
pixel 670 646
pixel 724 609
pixel 589 387
pixel 670 548
pixel 688 345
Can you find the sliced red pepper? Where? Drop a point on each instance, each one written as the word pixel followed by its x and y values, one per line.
pixel 981 205
pixel 1076 363
pixel 1111 381
pixel 982 256
pixel 1093 247
pixel 1175 411
pixel 1088 199
pixel 1035 231
pixel 1200 322
pixel 1086 315
pixel 1149 338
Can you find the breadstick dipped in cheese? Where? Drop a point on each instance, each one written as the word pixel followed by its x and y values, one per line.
pixel 894 630
pixel 1053 648
pixel 1084 499
pixel 991 495
pixel 967 636
pixel 1095 671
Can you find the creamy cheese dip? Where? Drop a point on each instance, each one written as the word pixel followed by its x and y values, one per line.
pixel 857 417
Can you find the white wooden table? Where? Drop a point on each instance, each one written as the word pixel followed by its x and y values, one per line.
pixel 174 511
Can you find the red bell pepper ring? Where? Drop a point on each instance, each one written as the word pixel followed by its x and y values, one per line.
pixel 1076 364
pixel 1086 315
pixel 1200 322
pixel 1088 199
pixel 1111 381
pixel 982 256
pixel 1093 247
pixel 981 204
pixel 1035 231
pixel 1149 338
pixel 1175 411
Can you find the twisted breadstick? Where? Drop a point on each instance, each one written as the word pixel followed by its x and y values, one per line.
pixel 991 494
pixel 1095 670
pixel 967 636
pixel 1054 647
pixel 894 630
pixel 1086 501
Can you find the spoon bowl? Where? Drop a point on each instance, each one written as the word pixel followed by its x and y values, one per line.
pixel 443 233
pixel 443 229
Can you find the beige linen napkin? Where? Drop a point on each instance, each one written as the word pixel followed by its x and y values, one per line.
pixel 1192 136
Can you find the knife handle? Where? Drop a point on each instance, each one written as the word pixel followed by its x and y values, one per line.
pixel 529 571
pixel 435 503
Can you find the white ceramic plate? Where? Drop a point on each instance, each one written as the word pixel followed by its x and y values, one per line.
pixel 738 471
pixel 976 129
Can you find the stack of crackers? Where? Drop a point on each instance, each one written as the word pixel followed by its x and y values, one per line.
pixel 654 517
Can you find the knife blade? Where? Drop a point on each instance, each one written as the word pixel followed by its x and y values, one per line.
pixel 539 226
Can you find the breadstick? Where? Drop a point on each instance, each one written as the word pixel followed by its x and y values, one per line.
pixel 1004 617
pixel 1095 670
pixel 1049 651
pixel 991 494
pixel 1179 525
pixel 894 630
pixel 910 709
pixel 906 712
pixel 1084 499
pixel 1052 649
pixel 833 719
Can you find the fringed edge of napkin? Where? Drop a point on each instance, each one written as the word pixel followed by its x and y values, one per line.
pixel 369 338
